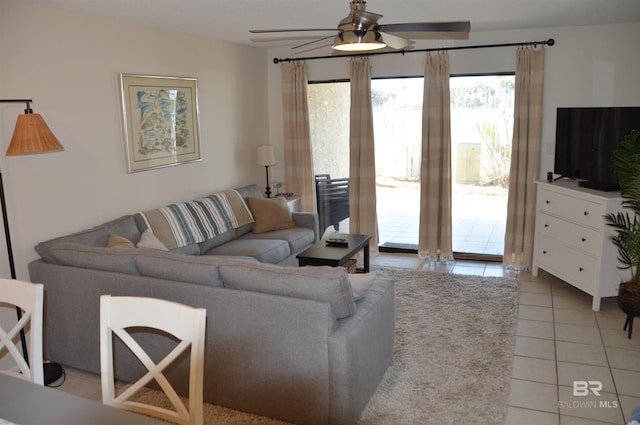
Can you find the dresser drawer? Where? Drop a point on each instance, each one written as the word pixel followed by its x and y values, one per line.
pixel 574 209
pixel 579 269
pixel 583 238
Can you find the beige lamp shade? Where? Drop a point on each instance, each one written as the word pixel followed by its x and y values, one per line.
pixel 266 155
pixel 32 135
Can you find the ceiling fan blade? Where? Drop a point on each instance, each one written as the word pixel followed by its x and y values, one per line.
pixel 435 35
pixel 459 26
pixel 395 42
pixel 291 30
pixel 285 38
pixel 314 41
pixel 300 52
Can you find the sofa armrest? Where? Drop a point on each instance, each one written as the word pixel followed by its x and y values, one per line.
pixel 308 220
pixel 360 351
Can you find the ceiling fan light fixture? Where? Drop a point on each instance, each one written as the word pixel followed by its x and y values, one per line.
pixel 363 20
pixel 358 41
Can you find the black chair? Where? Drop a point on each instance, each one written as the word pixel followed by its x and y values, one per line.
pixel 332 196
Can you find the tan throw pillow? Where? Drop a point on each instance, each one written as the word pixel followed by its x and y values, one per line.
pixel 149 240
pixel 270 214
pixel 119 242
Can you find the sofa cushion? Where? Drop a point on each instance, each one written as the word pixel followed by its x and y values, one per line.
pixel 191 249
pixel 183 268
pixel 243 230
pixel 199 220
pixel 97 258
pixel 250 191
pixel 326 284
pixel 217 241
pixel 298 238
pixel 239 207
pixel 270 214
pixel 263 250
pixel 97 236
pixel 184 223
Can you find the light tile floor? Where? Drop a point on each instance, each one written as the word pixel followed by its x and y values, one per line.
pixel 559 340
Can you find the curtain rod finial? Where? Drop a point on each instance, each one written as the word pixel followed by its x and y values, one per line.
pixel 551 42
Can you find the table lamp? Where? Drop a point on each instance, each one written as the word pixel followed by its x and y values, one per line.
pixel 266 158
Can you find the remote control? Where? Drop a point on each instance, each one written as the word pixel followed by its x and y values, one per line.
pixel 337 242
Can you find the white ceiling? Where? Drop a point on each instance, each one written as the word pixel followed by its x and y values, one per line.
pixel 231 20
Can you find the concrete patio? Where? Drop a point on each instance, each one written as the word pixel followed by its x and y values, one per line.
pixel 478 216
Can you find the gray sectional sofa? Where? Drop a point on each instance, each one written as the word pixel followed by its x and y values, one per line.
pixel 290 343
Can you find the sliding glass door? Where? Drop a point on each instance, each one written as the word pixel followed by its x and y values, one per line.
pixel 481 121
pixel 397 117
pixel 481 134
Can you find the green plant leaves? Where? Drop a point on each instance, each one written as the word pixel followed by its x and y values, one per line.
pixel 627 239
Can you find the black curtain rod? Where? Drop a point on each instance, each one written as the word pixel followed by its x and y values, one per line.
pixel 549 42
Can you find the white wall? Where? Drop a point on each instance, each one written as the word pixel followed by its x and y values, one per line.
pixel 588 66
pixel 69 65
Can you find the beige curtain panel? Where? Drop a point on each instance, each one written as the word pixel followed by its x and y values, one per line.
pixel 525 158
pixel 435 241
pixel 362 167
pixel 297 139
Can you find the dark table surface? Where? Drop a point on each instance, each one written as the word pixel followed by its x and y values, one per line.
pixel 26 403
pixel 321 254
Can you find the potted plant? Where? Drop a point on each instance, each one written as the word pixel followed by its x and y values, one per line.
pixel 627 223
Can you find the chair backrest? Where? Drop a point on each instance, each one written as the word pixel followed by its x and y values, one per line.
pixel 27 298
pixel 185 323
pixel 332 199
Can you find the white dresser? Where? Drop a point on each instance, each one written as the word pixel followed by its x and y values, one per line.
pixel 572 241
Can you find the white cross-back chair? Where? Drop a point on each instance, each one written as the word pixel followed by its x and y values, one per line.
pixel 185 323
pixel 29 298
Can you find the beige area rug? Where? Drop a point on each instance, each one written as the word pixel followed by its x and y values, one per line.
pixel 453 354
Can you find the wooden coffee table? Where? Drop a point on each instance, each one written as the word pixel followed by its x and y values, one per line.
pixel 321 254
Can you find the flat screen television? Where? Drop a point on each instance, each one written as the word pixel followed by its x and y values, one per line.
pixel 586 139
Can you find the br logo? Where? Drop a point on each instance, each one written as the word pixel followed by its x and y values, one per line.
pixel 584 388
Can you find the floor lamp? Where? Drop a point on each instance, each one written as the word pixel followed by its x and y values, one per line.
pixel 266 158
pixel 31 135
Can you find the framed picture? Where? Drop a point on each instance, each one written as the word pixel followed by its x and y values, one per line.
pixel 161 123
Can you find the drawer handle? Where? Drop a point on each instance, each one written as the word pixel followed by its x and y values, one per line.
pixel 546 225
pixel 586 213
pixel 544 252
pixel 584 239
pixel 547 202
pixel 580 268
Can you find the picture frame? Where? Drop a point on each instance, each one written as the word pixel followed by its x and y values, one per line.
pixel 161 121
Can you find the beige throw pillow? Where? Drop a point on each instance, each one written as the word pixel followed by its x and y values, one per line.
pixel 119 242
pixel 270 214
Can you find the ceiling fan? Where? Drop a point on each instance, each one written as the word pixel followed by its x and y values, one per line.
pixel 360 31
